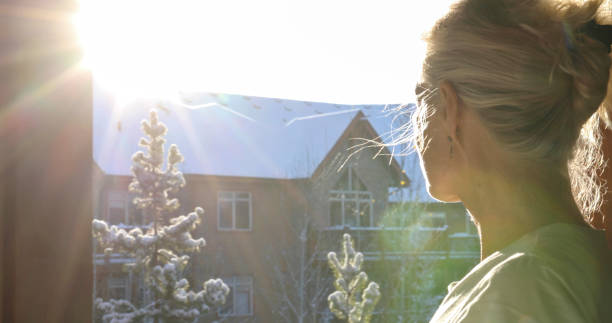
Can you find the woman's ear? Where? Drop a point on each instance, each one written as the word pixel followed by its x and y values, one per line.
pixel 451 107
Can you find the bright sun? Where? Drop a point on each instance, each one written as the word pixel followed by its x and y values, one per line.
pixel 139 48
pixel 336 51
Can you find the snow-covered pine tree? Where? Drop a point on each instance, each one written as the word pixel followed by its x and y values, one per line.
pixel 158 251
pixel 352 300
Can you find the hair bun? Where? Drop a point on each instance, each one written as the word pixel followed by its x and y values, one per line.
pixel 585 60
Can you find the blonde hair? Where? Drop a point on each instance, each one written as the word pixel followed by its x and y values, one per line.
pixel 533 77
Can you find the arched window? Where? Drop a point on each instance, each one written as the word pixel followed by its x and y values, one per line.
pixel 350 204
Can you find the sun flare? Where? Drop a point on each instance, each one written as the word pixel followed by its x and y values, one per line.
pixel 344 52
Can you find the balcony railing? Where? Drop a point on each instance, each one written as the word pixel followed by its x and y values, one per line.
pixel 113 258
pixel 378 243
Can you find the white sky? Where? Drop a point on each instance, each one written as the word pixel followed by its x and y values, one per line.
pixel 337 51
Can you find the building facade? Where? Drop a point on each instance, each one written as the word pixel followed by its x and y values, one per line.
pixel 262 226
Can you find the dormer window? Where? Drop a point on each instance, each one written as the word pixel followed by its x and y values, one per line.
pixel 350 204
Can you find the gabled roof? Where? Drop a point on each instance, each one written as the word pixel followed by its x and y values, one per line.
pixel 233 135
pixel 367 131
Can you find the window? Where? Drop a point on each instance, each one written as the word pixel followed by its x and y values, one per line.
pixel 239 302
pixel 136 215
pixel 120 210
pixel 116 211
pixel 234 211
pixel 117 286
pixel 433 220
pixel 350 204
pixel 465 244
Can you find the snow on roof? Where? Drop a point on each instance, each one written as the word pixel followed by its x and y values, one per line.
pixel 235 135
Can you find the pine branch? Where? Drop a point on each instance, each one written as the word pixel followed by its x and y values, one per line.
pixel 352 300
pixel 158 250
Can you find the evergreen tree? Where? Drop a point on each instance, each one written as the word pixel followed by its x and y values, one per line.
pixel 352 300
pixel 158 251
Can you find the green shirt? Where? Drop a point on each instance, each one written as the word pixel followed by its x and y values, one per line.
pixel 557 273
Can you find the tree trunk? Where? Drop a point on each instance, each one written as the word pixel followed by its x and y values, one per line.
pixel 301 288
pixel 154 260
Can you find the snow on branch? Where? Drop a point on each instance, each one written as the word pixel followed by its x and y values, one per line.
pixel 158 249
pixel 353 300
pixel 151 181
pixel 176 236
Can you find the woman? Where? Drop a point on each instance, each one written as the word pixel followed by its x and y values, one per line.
pixel 508 121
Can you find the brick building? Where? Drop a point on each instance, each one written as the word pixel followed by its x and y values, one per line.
pixel 256 164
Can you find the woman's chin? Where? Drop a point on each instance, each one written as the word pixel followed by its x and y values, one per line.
pixel 441 196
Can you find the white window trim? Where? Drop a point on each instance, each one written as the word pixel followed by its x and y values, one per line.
pixel 123 281
pixel 121 197
pixel 233 199
pixel 439 215
pixel 355 199
pixel 231 283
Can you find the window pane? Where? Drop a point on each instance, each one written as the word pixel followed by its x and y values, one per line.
pixel 342 183
pixel 117 287
pixel 350 213
pixel 242 215
pixel 364 215
pixel 433 220
pixel 117 293
pixel 226 195
pixel 142 291
pixel 357 184
pixel 135 216
pixel 335 213
pixel 438 222
pixel 243 302
pixel 335 195
pixel 228 307
pixel 225 214
pixel 242 195
pixel 116 215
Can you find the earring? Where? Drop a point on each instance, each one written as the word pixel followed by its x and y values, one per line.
pixel 450 141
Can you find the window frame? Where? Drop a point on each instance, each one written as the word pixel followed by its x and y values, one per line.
pixel 351 196
pixel 233 201
pixel 117 196
pixel 433 214
pixel 232 282
pixel 120 280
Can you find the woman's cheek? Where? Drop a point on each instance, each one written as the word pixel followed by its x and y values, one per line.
pixel 435 167
pixel 428 161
